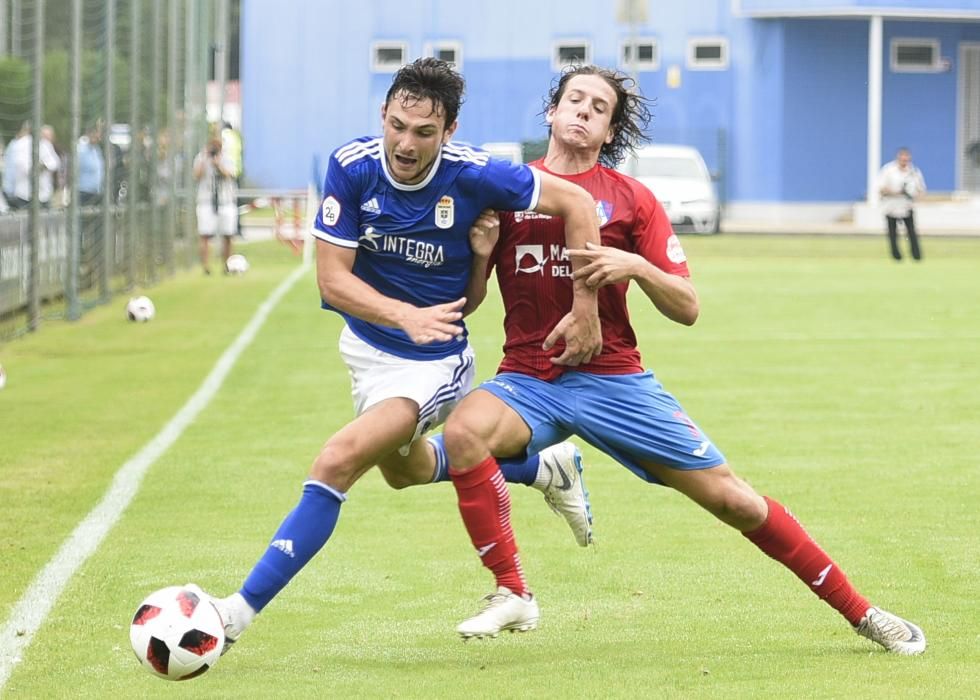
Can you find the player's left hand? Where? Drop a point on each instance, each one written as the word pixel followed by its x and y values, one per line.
pixel 432 324
pixel 583 339
pixel 604 265
pixel 484 232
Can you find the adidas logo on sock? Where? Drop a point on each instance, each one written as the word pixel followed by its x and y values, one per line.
pixel 371 206
pixel 284 546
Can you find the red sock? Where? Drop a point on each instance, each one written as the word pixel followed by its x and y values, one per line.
pixel 783 538
pixel 484 503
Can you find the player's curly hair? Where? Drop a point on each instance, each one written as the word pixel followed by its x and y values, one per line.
pixel 429 79
pixel 630 118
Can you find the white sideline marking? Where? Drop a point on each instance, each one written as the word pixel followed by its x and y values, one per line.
pixel 30 611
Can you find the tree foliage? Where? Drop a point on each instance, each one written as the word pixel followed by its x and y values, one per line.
pixel 15 95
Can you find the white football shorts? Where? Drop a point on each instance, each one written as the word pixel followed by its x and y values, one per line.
pixel 223 222
pixel 435 385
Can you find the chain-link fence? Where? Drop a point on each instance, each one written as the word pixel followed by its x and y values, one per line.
pixel 102 109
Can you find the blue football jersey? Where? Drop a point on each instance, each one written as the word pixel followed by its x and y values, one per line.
pixel 412 241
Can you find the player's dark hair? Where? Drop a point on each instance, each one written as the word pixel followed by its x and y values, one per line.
pixel 429 79
pixel 630 117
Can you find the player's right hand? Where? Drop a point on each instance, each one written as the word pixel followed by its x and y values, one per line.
pixel 484 232
pixel 582 336
pixel 433 324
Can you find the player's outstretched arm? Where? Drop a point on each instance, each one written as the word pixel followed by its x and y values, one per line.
pixel 580 330
pixel 340 288
pixel 483 237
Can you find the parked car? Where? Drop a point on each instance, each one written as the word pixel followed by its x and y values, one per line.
pixel 680 180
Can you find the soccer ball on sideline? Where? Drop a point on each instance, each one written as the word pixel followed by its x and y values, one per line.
pixel 177 633
pixel 236 264
pixel 140 309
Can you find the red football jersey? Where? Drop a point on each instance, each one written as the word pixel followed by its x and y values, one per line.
pixel 534 273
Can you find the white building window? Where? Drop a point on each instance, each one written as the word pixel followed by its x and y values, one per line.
pixel 647 54
pixel 915 55
pixel 707 53
pixel 570 52
pixel 449 51
pixel 388 56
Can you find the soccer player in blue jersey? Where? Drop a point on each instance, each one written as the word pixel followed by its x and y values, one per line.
pixel 394 258
pixel 612 402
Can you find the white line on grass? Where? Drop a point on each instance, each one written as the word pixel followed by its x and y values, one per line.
pixel 30 611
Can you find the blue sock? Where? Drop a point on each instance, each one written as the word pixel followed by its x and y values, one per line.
pixel 302 534
pixel 521 470
pixel 516 471
pixel 442 461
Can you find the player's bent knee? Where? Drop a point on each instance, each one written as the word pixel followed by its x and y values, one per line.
pixel 465 445
pixel 333 468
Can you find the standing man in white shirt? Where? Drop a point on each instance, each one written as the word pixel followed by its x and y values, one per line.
pixel 217 200
pixel 17 170
pixel 900 183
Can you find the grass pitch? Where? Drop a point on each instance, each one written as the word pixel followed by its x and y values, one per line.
pixel 835 380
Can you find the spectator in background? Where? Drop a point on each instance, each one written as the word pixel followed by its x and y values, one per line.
pixel 119 169
pixel 217 200
pixel 57 177
pixel 231 144
pixel 900 183
pixel 10 171
pixel 91 167
pixel 17 168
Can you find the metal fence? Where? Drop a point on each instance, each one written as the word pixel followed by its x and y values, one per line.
pixel 102 109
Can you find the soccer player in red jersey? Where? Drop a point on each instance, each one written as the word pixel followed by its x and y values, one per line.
pixel 612 402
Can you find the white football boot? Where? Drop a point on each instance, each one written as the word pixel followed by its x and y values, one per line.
pixel 564 489
pixel 892 632
pixel 236 614
pixel 501 611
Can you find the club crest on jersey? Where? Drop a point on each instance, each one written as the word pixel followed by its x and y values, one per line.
pixel 445 212
pixel 603 212
pixel 529 259
pixel 330 211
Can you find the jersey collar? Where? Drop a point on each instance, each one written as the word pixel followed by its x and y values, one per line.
pixel 539 164
pixel 418 185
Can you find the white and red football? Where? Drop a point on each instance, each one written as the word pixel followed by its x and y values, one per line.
pixel 176 633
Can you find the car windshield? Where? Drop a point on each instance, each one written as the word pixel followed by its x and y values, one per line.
pixel 668 166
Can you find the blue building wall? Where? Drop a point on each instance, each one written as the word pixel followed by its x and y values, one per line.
pixel 824 110
pixel 307 85
pixel 841 6
pixel 785 122
pixel 757 124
